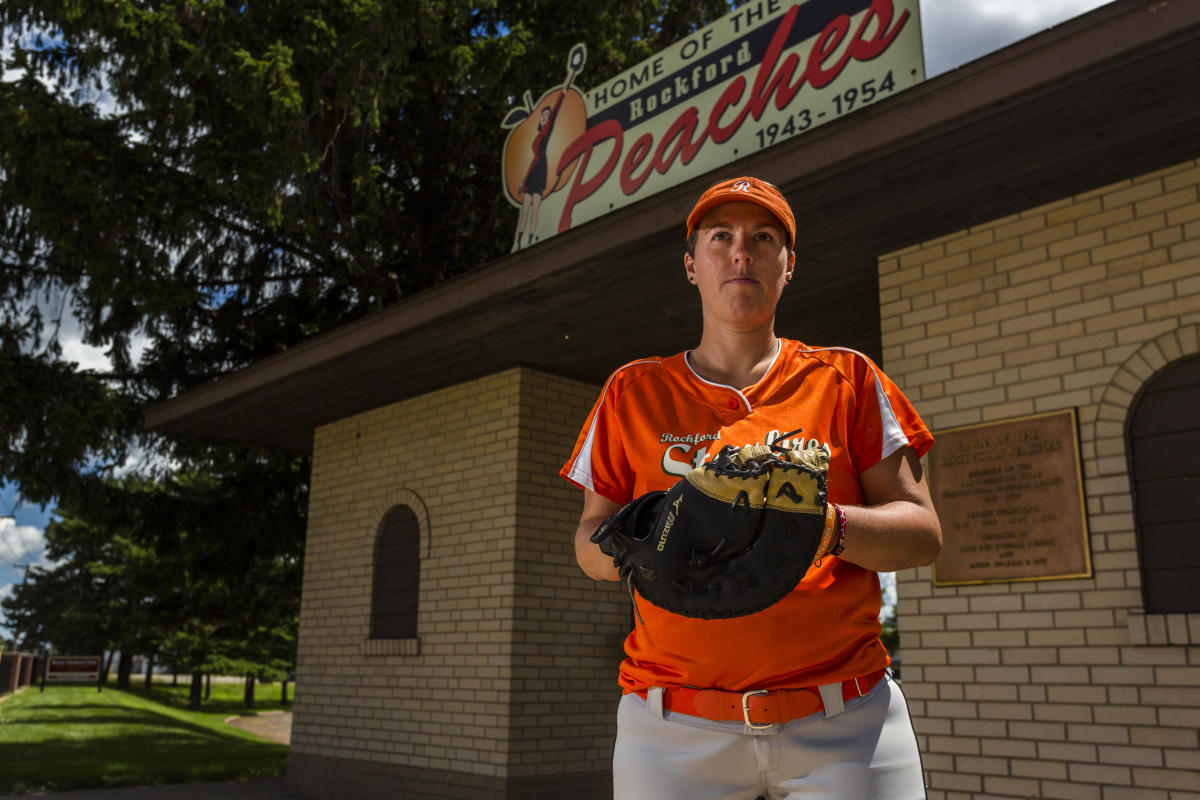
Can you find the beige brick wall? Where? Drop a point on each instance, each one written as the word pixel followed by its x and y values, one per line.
pixel 513 640
pixel 1056 689
pixel 570 629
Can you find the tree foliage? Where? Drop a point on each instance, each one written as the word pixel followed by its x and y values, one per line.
pixel 205 184
pixel 890 632
pixel 202 184
pixel 203 568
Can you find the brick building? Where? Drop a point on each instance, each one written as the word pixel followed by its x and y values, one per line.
pixel 1054 688
pixel 506 685
pixel 1017 236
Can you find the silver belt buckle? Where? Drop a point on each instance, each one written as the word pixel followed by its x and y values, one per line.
pixel 746 709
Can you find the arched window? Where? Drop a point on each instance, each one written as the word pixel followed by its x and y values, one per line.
pixel 1164 454
pixel 394 590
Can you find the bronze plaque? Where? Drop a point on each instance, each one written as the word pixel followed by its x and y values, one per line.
pixel 1010 500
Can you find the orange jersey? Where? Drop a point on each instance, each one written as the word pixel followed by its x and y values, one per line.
pixel 656 419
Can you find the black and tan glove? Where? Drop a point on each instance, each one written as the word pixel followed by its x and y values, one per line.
pixel 732 537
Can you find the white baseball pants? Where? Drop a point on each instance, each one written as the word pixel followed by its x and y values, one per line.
pixel 866 752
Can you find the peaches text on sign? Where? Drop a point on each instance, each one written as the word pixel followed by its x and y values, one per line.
pixel 831 51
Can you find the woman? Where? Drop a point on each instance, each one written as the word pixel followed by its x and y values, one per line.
pixel 533 188
pixel 830 721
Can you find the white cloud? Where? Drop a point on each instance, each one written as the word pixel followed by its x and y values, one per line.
pixel 1031 12
pixel 5 591
pixel 86 93
pixel 59 320
pixel 44 564
pixel 958 31
pixel 147 463
pixel 887 581
pixel 88 357
pixel 5 55
pixel 19 541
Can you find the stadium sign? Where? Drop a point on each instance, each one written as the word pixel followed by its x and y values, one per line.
pixel 764 73
pixel 73 669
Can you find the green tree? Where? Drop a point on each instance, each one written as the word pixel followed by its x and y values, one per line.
pixel 204 184
pixel 224 180
pixel 199 566
pixel 67 605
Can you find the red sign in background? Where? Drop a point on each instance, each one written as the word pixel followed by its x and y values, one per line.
pixel 82 669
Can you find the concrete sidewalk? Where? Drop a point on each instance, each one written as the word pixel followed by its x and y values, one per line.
pixel 262 789
pixel 275 726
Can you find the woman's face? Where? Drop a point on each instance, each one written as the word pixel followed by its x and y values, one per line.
pixel 741 265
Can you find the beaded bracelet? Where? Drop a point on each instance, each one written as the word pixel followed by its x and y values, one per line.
pixel 840 544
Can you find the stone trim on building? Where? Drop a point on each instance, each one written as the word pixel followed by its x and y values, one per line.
pixel 1115 407
pixel 408 646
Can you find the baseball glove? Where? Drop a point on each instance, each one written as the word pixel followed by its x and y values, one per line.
pixel 732 537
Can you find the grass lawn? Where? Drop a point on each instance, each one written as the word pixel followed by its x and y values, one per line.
pixel 73 737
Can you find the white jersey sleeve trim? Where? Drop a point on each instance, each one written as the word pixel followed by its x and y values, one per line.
pixel 894 437
pixel 581 467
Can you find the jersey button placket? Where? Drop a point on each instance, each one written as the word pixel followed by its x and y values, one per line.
pixel 732 403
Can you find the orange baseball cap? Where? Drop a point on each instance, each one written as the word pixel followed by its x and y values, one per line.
pixel 745 190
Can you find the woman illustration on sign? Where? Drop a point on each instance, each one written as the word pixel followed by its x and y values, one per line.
pixel 538 179
pixel 534 185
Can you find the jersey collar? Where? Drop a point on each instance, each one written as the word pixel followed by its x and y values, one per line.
pixel 750 394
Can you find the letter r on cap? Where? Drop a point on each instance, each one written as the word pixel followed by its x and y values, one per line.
pixel 740 186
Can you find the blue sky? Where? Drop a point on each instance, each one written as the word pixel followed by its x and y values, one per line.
pixel 954 33
pixel 21 540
